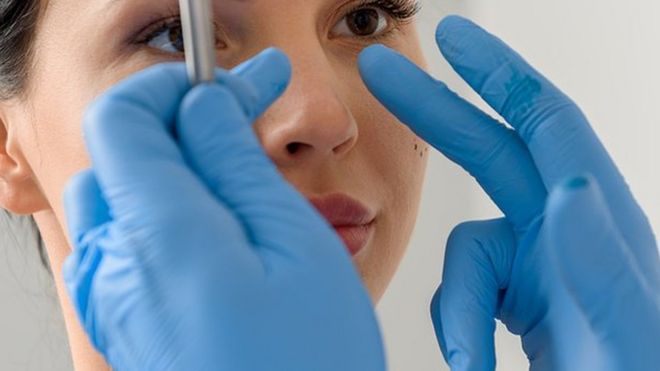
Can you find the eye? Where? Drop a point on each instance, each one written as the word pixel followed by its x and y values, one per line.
pixel 167 37
pixel 364 22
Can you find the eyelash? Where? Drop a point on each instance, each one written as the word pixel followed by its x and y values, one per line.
pixel 401 11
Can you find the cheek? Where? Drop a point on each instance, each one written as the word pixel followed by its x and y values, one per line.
pixel 399 159
pixel 58 149
pixel 394 154
pixel 395 159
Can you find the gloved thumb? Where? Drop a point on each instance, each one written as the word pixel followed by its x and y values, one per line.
pixel 595 261
pixel 478 258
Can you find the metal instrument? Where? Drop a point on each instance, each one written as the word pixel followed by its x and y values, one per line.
pixel 198 39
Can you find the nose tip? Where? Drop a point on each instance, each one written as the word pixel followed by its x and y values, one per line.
pixel 310 128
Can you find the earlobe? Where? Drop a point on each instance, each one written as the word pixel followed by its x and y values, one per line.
pixel 19 191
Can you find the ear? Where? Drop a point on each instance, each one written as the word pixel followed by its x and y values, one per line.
pixel 19 190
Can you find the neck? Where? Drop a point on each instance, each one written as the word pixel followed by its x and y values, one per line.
pixel 84 356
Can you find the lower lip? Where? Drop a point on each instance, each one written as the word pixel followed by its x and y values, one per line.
pixel 355 237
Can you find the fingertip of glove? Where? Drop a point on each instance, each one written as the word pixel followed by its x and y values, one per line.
pixel 76 189
pixel 451 24
pixel 281 65
pixel 277 57
pixel 371 56
pixel 451 35
pixel 277 66
pixel 74 184
pixel 68 270
pixel 276 60
pixel 378 64
pixel 84 205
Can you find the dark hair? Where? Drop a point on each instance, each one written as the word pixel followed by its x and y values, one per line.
pixel 18 23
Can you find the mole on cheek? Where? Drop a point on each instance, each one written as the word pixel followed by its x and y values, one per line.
pixel 421 150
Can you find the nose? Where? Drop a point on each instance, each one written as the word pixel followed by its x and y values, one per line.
pixel 309 124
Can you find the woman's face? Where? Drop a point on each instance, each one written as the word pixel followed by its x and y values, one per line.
pixel 326 134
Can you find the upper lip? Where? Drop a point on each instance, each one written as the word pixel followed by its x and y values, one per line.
pixel 341 210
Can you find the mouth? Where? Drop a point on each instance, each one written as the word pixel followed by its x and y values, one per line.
pixel 352 220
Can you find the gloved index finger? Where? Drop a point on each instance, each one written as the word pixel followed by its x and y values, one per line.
pixel 524 98
pixel 265 77
pixel 488 150
pixel 558 135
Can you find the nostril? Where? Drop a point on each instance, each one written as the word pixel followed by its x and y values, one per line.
pixel 292 148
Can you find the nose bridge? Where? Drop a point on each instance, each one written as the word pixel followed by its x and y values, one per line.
pixel 302 44
pixel 314 82
pixel 298 36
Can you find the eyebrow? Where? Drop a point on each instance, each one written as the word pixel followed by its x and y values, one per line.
pixel 110 3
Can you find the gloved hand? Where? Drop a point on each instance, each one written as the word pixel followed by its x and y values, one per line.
pixel 573 267
pixel 192 252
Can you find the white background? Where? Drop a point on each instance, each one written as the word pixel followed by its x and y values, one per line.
pixel 605 54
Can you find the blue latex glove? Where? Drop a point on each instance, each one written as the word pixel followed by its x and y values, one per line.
pixel 192 252
pixel 573 267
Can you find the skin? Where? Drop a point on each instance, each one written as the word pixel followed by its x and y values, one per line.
pixel 349 142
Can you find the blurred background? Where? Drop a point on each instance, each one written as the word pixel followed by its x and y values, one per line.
pixel 603 53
